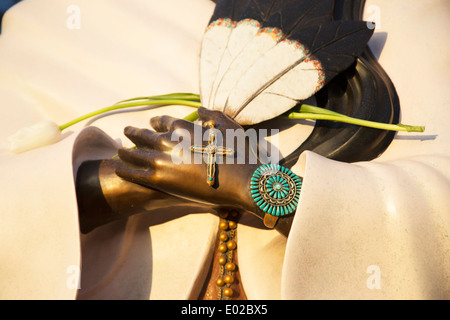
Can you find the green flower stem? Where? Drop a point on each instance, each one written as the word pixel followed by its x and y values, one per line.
pixel 180 96
pixel 192 116
pixel 158 101
pixel 316 113
pixel 193 100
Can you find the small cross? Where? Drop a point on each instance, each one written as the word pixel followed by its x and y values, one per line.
pixel 211 150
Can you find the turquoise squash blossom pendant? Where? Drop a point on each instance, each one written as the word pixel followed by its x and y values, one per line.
pixel 276 191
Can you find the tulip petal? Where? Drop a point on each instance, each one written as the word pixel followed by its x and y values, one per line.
pixel 38 135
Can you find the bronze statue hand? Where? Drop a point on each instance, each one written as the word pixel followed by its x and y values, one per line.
pixel 162 162
pixel 165 159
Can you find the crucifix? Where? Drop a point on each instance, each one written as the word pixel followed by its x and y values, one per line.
pixel 211 150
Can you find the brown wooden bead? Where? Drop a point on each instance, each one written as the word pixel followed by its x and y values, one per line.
pixel 220 282
pixel 223 226
pixel 231 245
pixel 222 260
pixel 223 214
pixel 233 213
pixel 228 292
pixel 223 237
pixel 228 279
pixel 230 266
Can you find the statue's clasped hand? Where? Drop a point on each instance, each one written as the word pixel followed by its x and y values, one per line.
pixel 200 161
pixel 209 161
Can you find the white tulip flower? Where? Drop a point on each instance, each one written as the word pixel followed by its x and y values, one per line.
pixel 48 132
pixel 38 135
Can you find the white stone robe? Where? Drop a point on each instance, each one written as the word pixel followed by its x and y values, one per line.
pixel 368 230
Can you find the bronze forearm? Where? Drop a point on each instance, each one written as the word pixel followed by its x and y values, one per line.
pixel 103 197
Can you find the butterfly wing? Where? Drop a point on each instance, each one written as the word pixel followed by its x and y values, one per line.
pixel 260 58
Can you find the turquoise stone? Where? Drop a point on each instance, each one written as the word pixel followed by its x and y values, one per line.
pixel 275 189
